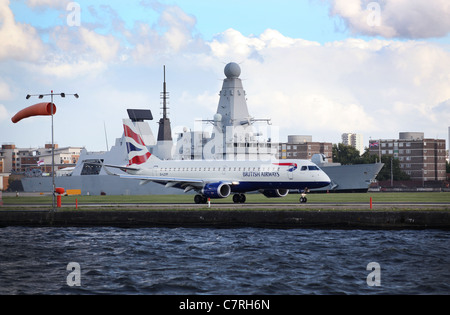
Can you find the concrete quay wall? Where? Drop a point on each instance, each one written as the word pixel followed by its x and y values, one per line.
pixel 284 219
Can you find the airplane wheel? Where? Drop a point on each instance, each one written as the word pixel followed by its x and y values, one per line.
pixel 198 199
pixel 303 200
pixel 239 198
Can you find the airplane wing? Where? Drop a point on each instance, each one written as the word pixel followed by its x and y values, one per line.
pixel 122 168
pixel 187 184
pixel 163 179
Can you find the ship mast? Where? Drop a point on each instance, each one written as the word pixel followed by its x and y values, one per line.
pixel 165 95
pixel 165 132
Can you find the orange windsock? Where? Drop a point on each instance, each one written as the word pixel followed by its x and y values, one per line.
pixel 41 109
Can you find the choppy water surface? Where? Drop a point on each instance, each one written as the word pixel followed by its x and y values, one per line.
pixel 231 261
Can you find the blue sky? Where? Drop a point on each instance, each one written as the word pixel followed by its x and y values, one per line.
pixel 303 19
pixel 316 67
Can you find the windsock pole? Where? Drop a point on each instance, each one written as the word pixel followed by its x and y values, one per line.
pixel 39 110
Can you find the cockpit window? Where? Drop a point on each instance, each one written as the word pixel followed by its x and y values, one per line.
pixel 304 168
pixel 313 168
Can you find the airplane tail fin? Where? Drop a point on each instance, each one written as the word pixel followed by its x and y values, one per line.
pixel 137 151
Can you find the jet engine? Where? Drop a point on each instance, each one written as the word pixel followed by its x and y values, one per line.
pixel 217 190
pixel 275 193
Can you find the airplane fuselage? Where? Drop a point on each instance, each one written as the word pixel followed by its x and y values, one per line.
pixel 243 176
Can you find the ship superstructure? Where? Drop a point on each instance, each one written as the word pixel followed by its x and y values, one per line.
pixel 235 136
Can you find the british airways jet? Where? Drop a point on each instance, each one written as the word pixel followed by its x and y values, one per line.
pixel 218 179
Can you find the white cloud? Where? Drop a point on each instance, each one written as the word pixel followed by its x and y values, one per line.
pixel 396 18
pixel 71 70
pixel 84 43
pixel 376 87
pixel 174 33
pixel 104 46
pixel 373 87
pixel 58 4
pixel 18 41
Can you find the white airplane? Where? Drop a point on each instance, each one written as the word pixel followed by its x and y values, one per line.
pixel 218 179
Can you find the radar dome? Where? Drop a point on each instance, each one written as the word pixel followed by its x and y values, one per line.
pixel 232 70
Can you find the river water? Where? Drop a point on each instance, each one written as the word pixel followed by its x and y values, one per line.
pixel 223 262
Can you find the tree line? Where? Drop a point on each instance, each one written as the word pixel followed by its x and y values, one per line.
pixel 347 155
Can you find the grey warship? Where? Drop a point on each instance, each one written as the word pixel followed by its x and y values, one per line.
pixel 235 136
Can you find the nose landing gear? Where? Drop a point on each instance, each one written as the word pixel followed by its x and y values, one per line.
pixel 303 198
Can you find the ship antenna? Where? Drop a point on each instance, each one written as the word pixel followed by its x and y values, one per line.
pixel 106 136
pixel 165 96
pixel 165 131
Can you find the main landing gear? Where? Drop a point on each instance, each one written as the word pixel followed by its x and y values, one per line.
pixel 200 200
pixel 239 198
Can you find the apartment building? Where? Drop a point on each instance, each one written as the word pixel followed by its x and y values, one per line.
pixel 19 160
pixel 3 175
pixel 421 158
pixel 355 140
pixel 302 147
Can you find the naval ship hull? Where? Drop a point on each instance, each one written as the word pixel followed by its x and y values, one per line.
pixel 350 178
pixel 344 178
pixel 97 185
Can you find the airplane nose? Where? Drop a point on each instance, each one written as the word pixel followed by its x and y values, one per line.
pixel 326 178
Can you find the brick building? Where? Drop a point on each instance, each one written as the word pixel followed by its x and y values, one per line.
pixel 19 160
pixel 302 147
pixel 422 159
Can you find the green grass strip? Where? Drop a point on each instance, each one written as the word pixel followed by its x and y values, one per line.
pixel 418 197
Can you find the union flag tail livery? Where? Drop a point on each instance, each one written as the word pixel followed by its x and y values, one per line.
pixel 138 153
